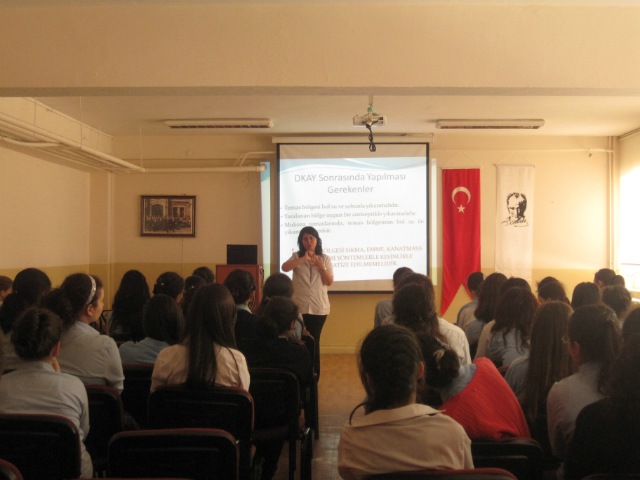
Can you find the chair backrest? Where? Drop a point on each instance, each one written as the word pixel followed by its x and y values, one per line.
pixel 225 408
pixel 106 418
pixel 475 474
pixel 520 456
pixel 310 343
pixel 8 471
pixel 137 385
pixel 198 454
pixel 276 397
pixel 42 447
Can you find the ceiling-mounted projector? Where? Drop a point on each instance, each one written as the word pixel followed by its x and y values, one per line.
pixel 373 120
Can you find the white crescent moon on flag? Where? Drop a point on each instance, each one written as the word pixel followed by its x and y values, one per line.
pixel 460 189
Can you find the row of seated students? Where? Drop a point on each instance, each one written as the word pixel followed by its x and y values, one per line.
pixel 561 358
pixel 55 351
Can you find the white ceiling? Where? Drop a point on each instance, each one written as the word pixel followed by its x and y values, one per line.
pixel 314 114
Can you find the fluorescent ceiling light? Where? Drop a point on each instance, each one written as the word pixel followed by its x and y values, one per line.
pixel 490 124
pixel 220 123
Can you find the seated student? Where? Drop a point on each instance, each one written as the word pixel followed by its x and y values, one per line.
pixel 631 325
pixel 396 434
pixel 207 354
pixel 607 433
pixel 586 293
pixel 476 396
pixel 486 335
pixel 510 333
pixel 619 280
pixel 551 291
pixel 5 287
pixel 125 320
pixel 280 285
pixel 28 288
pixel 604 278
pixel 37 386
pixel 594 343
pixel 162 322
pixel 271 348
pixel 191 284
pixel 488 296
pixel 84 353
pixel 618 299
pixel 243 290
pixel 548 362
pixel 466 314
pixel 384 308
pixel 205 273
pixel 417 310
pixel 169 283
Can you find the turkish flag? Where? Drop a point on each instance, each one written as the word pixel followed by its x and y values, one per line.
pixel 461 229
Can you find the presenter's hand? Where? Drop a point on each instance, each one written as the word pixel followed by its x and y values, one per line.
pixel 317 262
pixel 308 256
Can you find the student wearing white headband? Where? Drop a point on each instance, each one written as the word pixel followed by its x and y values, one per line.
pixel 91 357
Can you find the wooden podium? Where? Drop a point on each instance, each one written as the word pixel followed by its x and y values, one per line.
pixel 223 271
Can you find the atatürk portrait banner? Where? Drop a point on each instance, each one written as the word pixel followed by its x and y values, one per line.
pixel 514 220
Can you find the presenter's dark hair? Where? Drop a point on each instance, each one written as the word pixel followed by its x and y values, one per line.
pixel 205 273
pixel 585 293
pixel 209 325
pixel 488 296
pixel 310 231
pixel 163 319
pixel 128 304
pixel 169 283
pixel 388 362
pixel 35 334
pixel 241 285
pixel 594 328
pixel 277 285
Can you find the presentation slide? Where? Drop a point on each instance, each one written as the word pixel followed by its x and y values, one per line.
pixel 370 208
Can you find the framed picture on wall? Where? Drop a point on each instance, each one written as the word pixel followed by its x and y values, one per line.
pixel 167 216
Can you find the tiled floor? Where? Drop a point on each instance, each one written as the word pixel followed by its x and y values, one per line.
pixel 339 391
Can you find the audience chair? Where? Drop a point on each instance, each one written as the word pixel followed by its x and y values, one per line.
pixel 276 399
pixel 137 385
pixel 225 408
pixel 473 348
pixel 520 456
pixel 471 474
pixel 42 447
pixel 194 453
pixel 8 471
pixel 106 418
pixel 311 413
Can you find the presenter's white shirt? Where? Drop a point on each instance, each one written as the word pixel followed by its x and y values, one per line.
pixel 309 293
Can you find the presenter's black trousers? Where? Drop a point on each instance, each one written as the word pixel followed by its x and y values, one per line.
pixel 314 324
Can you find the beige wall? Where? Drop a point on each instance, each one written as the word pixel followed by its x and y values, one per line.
pixel 321 46
pixel 44 216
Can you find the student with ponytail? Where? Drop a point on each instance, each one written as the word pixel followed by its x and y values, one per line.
pixel 396 434
pixel 476 396
pixel 280 285
pixel 171 284
pixel 594 342
pixel 271 348
pixel 28 288
pixel 91 357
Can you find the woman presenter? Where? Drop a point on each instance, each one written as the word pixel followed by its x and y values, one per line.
pixel 312 274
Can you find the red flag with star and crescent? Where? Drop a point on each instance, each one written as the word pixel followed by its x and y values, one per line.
pixel 461 230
